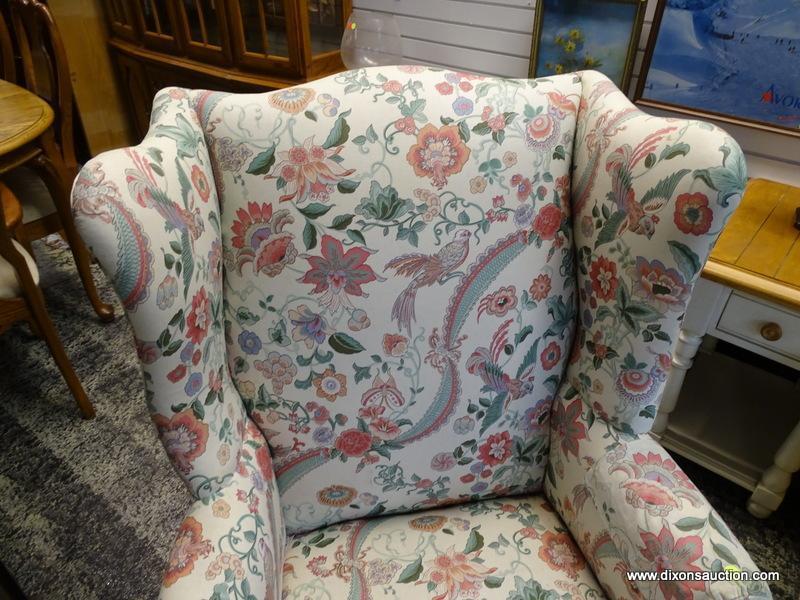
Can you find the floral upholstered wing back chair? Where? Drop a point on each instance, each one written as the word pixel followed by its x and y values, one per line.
pixel 404 331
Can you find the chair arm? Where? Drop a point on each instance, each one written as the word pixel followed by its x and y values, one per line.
pixel 629 506
pixel 151 216
pixel 231 543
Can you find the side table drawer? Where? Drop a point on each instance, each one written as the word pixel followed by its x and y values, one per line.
pixel 766 325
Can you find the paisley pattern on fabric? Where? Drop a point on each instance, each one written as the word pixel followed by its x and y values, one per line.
pixel 412 289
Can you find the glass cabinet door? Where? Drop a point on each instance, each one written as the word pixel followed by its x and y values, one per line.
pixel 265 35
pixel 155 19
pixel 203 29
pixel 326 19
pixel 121 19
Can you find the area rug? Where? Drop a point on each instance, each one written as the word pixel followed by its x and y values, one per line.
pixel 88 509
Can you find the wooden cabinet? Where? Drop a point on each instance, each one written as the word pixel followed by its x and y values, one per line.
pixel 231 45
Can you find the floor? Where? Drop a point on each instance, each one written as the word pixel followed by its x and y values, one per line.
pixel 88 510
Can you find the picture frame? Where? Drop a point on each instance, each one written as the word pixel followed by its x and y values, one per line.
pixel 752 97
pixel 600 25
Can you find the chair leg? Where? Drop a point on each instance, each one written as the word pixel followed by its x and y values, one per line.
pixel 55 184
pixel 37 308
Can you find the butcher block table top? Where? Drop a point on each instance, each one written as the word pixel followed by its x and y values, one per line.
pixel 759 249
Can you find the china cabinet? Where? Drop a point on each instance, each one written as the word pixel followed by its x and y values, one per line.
pixel 232 45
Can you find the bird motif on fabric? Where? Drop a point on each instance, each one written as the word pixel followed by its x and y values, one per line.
pixel 638 215
pixel 426 270
pixel 485 363
pixel 148 193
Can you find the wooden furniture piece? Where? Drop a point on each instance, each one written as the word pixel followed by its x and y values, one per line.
pixel 22 300
pixel 749 295
pixel 49 149
pixel 231 45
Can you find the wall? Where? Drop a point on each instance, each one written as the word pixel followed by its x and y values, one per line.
pixel 494 36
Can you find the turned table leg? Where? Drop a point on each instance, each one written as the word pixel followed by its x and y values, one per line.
pixel 772 487
pixel 696 322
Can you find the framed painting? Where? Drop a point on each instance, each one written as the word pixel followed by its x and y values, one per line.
pixel 737 62
pixel 571 35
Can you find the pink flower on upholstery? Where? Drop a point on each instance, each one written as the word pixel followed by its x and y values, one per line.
pixel 567 425
pixel 665 554
pixel 200 183
pixel 603 274
pixel 444 88
pixel 547 221
pixel 291 100
pixel 353 442
pixel 659 286
pixel 384 429
pixel 258 238
pixel 540 287
pixel 393 87
pixel 309 327
pixel 279 368
pixel 330 385
pixel 199 317
pixel 542 131
pixel 189 546
pixel 438 153
pixel 453 575
pixel 406 125
pixel 550 356
pixel 184 438
pixel 561 554
pixel 338 274
pixel 692 214
pixel 499 303
pixel 636 386
pixel 395 344
pixel 523 185
pixel 656 484
pixel 177 373
pixel 496 449
pixel 444 461
pixel 148 352
pixel 309 171
pixel 264 462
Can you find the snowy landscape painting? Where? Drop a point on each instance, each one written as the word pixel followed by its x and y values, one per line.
pixel 737 59
pixel 571 35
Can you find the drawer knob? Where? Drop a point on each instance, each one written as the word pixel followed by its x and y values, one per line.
pixel 771 332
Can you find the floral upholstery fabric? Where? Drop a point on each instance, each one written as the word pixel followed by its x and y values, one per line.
pixel 404 288
pixel 510 548
pixel 381 305
pixel 151 215
pixel 629 506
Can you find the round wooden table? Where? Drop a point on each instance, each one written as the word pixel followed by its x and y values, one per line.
pixel 27 138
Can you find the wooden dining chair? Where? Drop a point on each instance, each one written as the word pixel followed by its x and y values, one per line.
pixel 8 69
pixel 21 298
pixel 43 185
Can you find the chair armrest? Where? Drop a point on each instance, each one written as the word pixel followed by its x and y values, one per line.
pixel 151 216
pixel 231 543
pixel 629 506
pixel 654 510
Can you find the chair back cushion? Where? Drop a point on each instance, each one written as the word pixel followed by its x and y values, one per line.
pixel 399 281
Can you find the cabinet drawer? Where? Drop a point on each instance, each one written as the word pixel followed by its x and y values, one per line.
pixel 766 325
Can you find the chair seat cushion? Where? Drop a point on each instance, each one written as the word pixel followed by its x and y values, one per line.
pixel 512 548
pixel 9 283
